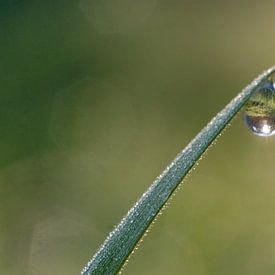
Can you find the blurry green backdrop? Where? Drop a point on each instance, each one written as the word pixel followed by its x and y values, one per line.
pixel 96 98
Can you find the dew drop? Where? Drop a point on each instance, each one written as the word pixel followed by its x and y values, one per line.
pixel 260 109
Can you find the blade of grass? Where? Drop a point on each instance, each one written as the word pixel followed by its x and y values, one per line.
pixel 121 242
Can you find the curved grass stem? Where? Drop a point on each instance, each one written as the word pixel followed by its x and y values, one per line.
pixel 120 243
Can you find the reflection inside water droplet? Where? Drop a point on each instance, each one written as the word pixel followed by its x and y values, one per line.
pixel 260 109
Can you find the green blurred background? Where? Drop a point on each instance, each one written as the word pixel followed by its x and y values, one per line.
pixel 96 98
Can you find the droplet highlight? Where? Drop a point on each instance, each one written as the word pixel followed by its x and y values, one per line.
pixel 259 112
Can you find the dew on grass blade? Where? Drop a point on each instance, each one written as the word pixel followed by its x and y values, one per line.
pixel 260 109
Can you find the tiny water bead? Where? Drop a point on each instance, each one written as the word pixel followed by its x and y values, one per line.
pixel 260 109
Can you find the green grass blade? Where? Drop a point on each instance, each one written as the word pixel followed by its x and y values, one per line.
pixel 123 239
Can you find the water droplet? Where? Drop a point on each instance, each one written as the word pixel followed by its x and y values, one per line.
pixel 260 109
